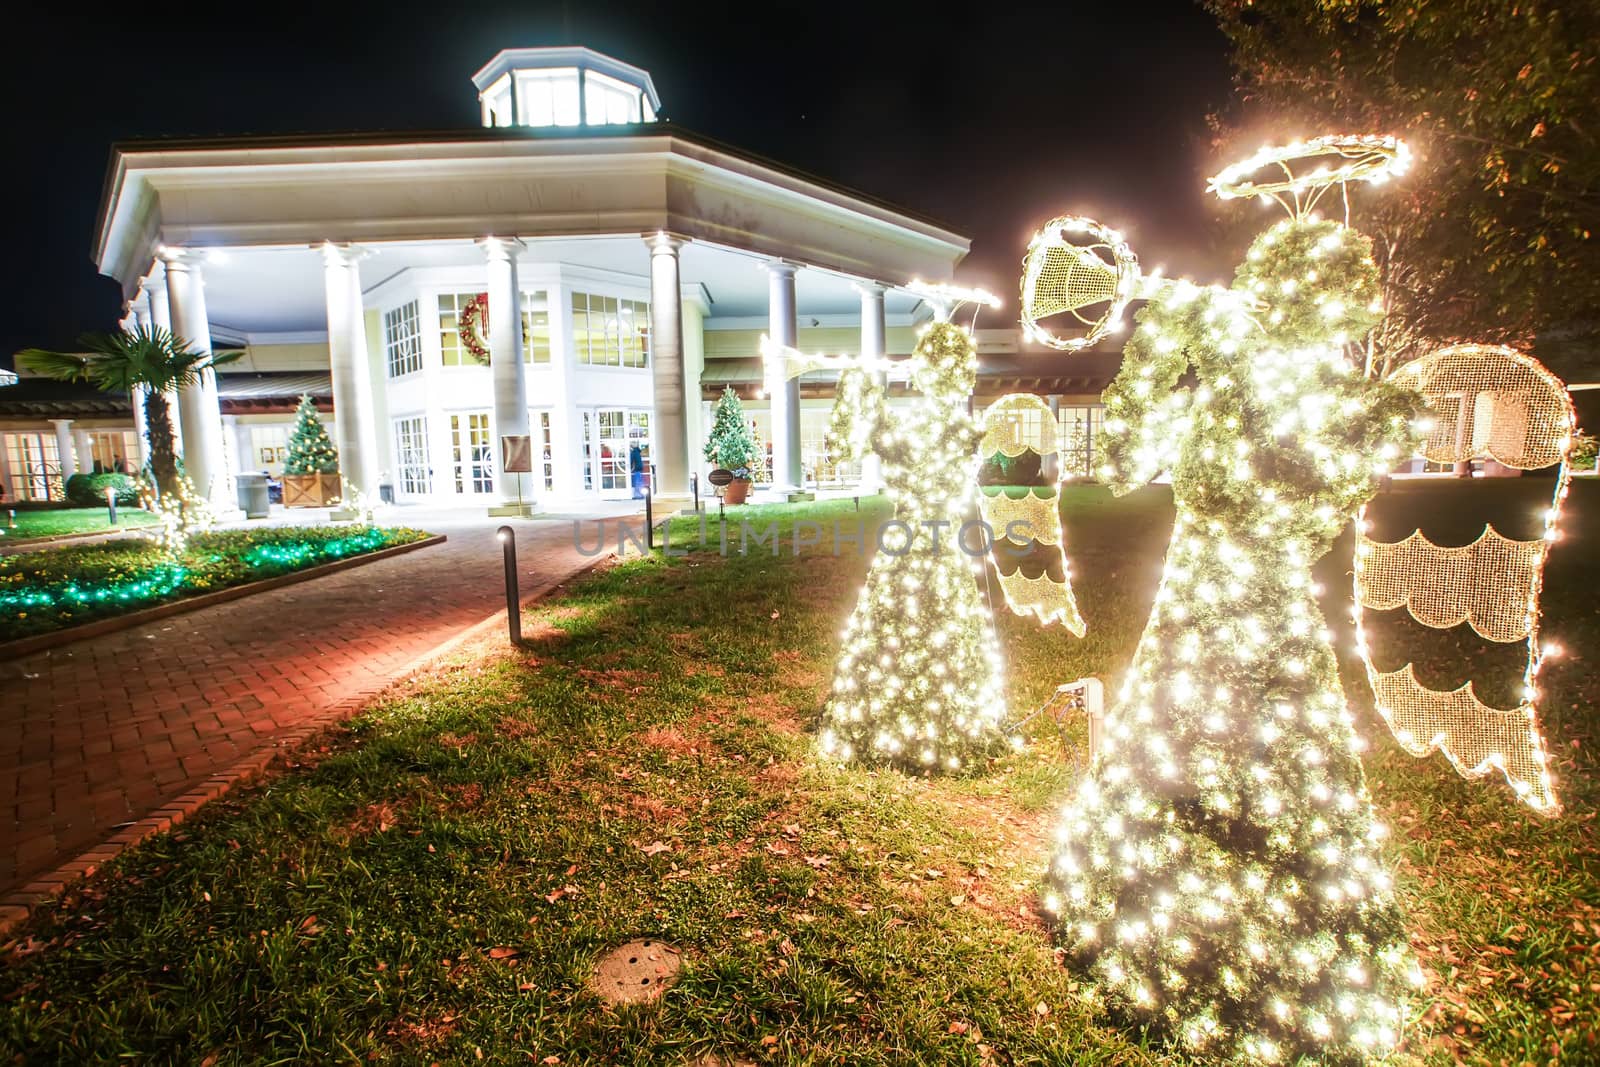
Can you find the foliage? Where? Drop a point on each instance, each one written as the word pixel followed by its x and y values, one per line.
pixel 1491 237
pixel 310 449
pixel 1218 872
pixel 729 444
pixel 149 358
pixel 87 490
pixel 434 879
pixel 1584 451
pixel 55 588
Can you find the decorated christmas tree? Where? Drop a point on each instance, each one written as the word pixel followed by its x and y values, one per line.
pixel 1219 871
pixel 310 449
pixel 730 444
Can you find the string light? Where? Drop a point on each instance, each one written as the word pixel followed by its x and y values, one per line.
pixel 1015 424
pixel 918 680
pixel 1219 870
pixel 1487 400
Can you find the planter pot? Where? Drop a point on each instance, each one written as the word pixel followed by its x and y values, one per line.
pixel 311 490
pixel 736 491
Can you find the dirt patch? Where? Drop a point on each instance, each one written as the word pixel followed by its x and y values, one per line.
pixel 512 726
pixel 668 739
pixel 468 797
pixel 372 819
pixel 422 1032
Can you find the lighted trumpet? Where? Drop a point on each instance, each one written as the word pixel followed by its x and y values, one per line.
pixel 793 362
pixel 1080 268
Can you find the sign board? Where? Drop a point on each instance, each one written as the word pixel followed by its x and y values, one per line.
pixel 516 454
pixel 720 477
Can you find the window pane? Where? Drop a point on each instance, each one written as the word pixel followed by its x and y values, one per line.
pixel 567 111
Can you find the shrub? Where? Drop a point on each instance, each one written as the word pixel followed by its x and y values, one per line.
pixel 89 490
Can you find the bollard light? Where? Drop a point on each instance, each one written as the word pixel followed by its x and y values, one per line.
pixel 111 503
pixel 508 540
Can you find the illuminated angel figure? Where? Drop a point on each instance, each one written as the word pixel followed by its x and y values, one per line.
pixel 917 682
pixel 1219 871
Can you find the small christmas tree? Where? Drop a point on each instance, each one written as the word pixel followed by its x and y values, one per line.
pixel 730 444
pixel 311 451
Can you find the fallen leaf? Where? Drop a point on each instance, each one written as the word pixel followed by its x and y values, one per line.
pixel 504 952
pixel 1041 1009
pixel 653 848
pixel 769 1040
pixel 957 1028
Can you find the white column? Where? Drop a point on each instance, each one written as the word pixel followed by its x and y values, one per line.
pixel 239 457
pixel 783 392
pixel 13 491
pixel 139 319
pixel 507 372
pixel 694 362
pixel 874 345
pixel 65 454
pixel 671 455
pixel 199 410
pixel 353 432
pixel 84 449
pixel 566 443
pixel 157 316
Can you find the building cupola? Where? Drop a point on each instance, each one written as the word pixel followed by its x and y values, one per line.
pixel 563 87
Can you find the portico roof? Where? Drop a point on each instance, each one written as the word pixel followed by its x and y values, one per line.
pixel 299 191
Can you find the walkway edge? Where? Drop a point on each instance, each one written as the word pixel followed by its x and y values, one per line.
pixel 17 905
pixel 27 646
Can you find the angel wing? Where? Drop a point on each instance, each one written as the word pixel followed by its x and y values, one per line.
pixel 1494 402
pixel 1027 527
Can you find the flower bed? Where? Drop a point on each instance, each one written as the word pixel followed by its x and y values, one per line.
pixel 56 588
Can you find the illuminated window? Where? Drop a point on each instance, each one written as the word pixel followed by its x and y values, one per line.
pixel 451 351
pixel 1079 437
pixel 544 439
pixel 402 340
pixel 114 450
pixel 497 103
pixel 35 466
pixel 610 332
pixel 608 101
pixel 549 97
pixel 536 327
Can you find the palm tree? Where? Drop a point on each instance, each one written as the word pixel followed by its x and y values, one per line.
pixel 150 358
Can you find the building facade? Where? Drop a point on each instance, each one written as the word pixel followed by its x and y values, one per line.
pixel 577 270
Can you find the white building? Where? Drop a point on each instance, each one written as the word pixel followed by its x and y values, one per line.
pixel 608 246
pixel 625 267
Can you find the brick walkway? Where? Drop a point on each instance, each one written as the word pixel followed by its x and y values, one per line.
pixel 102 732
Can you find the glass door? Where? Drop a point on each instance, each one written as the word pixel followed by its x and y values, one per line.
pixel 471 453
pixel 616 452
pixel 35 467
pixel 411 454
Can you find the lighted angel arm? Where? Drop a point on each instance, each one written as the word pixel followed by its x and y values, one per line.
pixel 1145 411
pixel 860 422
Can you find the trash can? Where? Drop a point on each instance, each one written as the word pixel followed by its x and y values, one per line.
pixel 253 495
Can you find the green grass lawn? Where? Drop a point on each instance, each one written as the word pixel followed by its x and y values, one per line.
pixel 56 588
pixel 432 881
pixel 58 522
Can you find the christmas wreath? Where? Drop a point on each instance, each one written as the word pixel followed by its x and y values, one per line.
pixel 472 326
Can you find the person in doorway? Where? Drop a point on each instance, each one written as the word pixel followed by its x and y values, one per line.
pixel 636 468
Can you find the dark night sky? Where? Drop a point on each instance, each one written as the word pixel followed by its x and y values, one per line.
pixel 992 121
